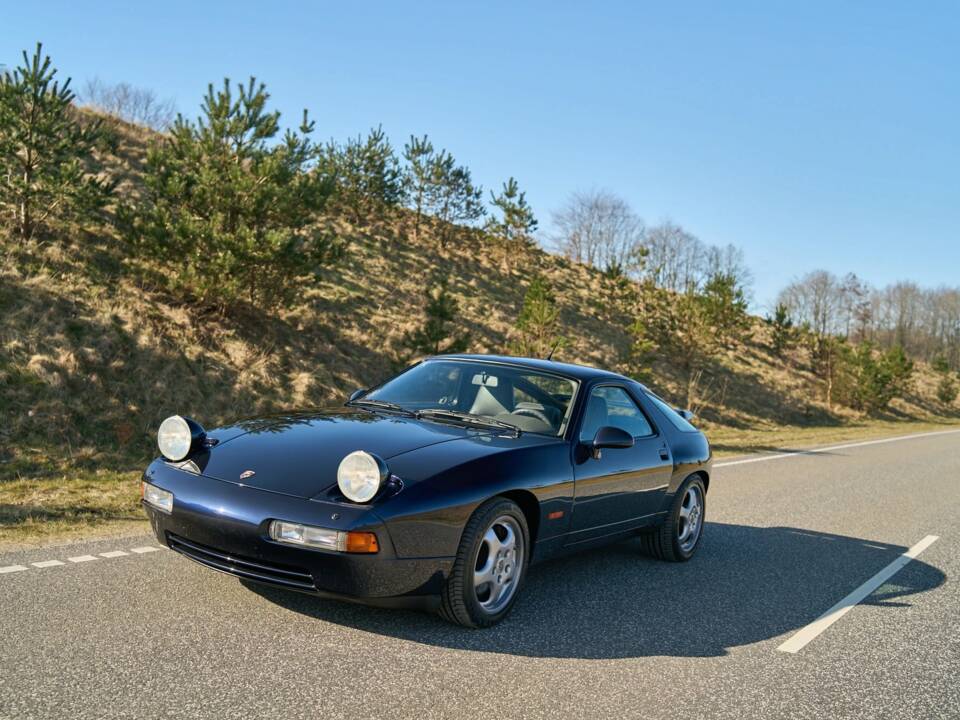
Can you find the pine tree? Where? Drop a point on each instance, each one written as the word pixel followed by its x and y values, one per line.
pixel 538 324
pixel 438 334
pixel 946 385
pixel 366 174
pixel 642 348
pixel 725 307
pixel 47 164
pixel 514 228
pixel 873 379
pixel 783 330
pixel 940 363
pixel 678 324
pixel 417 177
pixel 228 208
pixel 452 197
pixel 830 360
pixel 947 389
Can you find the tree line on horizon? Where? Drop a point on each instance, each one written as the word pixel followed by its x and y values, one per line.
pixel 230 208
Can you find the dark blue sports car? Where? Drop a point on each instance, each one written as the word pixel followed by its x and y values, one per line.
pixel 437 488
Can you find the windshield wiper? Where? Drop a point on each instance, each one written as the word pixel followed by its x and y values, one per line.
pixel 381 404
pixel 437 414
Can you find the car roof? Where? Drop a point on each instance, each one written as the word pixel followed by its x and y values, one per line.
pixel 577 372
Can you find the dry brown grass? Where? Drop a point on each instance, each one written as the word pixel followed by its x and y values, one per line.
pixel 43 510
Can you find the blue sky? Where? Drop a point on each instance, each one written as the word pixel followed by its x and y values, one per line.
pixel 809 134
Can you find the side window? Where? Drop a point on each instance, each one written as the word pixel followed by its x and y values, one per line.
pixel 611 405
pixel 678 422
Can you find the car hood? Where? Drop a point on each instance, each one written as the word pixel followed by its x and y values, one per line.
pixel 298 454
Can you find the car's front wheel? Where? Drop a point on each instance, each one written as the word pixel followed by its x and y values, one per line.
pixel 490 566
pixel 678 538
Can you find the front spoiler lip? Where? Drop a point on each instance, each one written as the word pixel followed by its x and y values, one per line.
pixel 403 602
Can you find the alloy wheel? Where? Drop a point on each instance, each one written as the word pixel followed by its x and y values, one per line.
pixel 690 521
pixel 498 564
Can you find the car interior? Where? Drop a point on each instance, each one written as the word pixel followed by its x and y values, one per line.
pixel 513 399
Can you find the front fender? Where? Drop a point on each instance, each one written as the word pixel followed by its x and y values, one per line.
pixel 426 519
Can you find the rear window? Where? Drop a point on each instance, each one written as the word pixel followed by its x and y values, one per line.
pixel 678 422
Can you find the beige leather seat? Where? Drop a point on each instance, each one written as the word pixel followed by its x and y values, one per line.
pixel 487 404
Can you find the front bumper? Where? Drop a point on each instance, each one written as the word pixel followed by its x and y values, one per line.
pixel 225 527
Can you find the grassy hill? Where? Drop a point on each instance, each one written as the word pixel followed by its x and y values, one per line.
pixel 93 355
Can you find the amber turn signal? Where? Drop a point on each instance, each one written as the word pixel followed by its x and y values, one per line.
pixel 361 542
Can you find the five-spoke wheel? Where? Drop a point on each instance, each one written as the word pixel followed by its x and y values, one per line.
pixel 678 537
pixel 490 565
pixel 691 513
pixel 499 563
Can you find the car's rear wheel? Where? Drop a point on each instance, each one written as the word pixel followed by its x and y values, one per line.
pixel 678 538
pixel 490 566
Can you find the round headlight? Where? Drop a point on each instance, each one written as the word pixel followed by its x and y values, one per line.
pixel 360 476
pixel 176 437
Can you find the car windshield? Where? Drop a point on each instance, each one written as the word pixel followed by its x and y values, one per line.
pixel 526 399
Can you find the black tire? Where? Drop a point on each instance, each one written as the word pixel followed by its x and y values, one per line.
pixel 664 541
pixel 460 602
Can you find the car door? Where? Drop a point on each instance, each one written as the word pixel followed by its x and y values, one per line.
pixel 623 486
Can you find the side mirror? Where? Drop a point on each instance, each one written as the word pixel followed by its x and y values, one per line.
pixel 610 437
pixel 356 393
pixel 685 414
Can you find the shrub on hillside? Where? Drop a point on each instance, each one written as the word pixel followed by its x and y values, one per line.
pixel 228 209
pixel 724 304
pixel 538 325
pixel 48 171
pixel 871 379
pixel 438 334
pixel 678 326
pixel 947 390
pixel 783 332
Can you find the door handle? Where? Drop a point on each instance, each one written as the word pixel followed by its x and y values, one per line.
pixel 664 454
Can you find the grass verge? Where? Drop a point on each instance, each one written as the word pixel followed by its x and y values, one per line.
pixel 43 511
pixel 728 442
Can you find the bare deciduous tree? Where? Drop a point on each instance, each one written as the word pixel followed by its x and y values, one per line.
pixel 599 228
pixel 926 323
pixel 676 259
pixel 815 301
pixel 133 104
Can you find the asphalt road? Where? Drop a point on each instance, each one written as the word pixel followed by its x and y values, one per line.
pixel 604 634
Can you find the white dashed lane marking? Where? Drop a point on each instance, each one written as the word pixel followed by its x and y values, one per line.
pixel 79 559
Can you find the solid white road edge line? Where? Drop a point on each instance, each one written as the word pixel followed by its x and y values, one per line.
pixel 808 633
pixel 814 451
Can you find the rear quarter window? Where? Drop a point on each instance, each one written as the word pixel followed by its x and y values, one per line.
pixel 674 419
